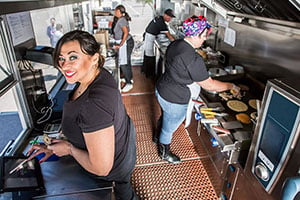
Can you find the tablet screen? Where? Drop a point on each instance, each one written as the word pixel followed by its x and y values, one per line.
pixel 27 176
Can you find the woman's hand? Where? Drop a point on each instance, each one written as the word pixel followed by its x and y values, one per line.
pixel 116 47
pixel 235 91
pixel 60 147
pixel 37 149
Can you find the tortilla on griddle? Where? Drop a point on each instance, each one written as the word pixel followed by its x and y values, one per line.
pixel 243 117
pixel 237 106
pixel 252 103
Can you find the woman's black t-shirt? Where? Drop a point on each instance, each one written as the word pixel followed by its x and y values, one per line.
pixel 100 106
pixel 183 67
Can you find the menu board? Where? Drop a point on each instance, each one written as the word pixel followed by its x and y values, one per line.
pixel 20 27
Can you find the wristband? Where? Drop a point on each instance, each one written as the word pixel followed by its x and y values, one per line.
pixel 70 150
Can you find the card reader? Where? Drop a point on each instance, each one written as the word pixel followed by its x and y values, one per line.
pixel 52 128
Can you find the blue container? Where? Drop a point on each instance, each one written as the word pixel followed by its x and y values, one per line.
pixel 214 142
pixel 198 116
pixel 53 157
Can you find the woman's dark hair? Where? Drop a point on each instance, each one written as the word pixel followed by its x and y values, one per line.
pixel 87 42
pixel 122 9
pixel 115 19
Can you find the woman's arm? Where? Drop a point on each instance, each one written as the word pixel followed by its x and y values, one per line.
pixel 171 38
pixel 215 85
pixel 99 157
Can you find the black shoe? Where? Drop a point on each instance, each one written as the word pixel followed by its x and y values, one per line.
pixel 167 155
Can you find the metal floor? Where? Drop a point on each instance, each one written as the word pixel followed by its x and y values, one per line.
pixel 154 178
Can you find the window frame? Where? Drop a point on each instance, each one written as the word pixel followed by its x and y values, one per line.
pixel 10 80
pixel 15 85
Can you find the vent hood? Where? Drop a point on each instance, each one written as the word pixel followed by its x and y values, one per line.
pixel 296 3
pixel 287 10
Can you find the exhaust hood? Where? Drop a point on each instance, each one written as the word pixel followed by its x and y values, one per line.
pixel 287 10
pixel 296 3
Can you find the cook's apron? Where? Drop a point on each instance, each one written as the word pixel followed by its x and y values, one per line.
pixel 122 53
pixel 149 44
pixel 195 91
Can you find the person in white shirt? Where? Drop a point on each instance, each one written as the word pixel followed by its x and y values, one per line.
pixel 50 30
pixel 57 34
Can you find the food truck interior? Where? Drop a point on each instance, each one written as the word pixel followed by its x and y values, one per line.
pixel 252 152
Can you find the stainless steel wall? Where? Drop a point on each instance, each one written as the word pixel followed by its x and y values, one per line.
pixel 267 51
pixel 267 48
pixel 20 6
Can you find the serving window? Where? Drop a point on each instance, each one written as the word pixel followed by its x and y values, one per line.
pixel 6 76
pixel 12 114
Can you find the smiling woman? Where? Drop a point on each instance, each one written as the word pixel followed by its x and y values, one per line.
pixel 79 62
pixel 101 136
pixel 76 65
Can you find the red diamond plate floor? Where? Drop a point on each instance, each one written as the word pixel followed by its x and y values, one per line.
pixel 154 178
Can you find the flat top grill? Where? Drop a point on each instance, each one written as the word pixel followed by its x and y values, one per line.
pixel 239 139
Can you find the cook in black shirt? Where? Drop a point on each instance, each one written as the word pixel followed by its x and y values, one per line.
pixel 156 26
pixel 183 67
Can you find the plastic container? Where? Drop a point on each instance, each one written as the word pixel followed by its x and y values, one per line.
pixel 215 72
pixel 53 157
pixel 198 116
pixel 236 69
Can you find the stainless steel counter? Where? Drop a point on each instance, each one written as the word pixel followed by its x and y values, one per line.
pixel 65 179
pixel 160 52
pixel 111 65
